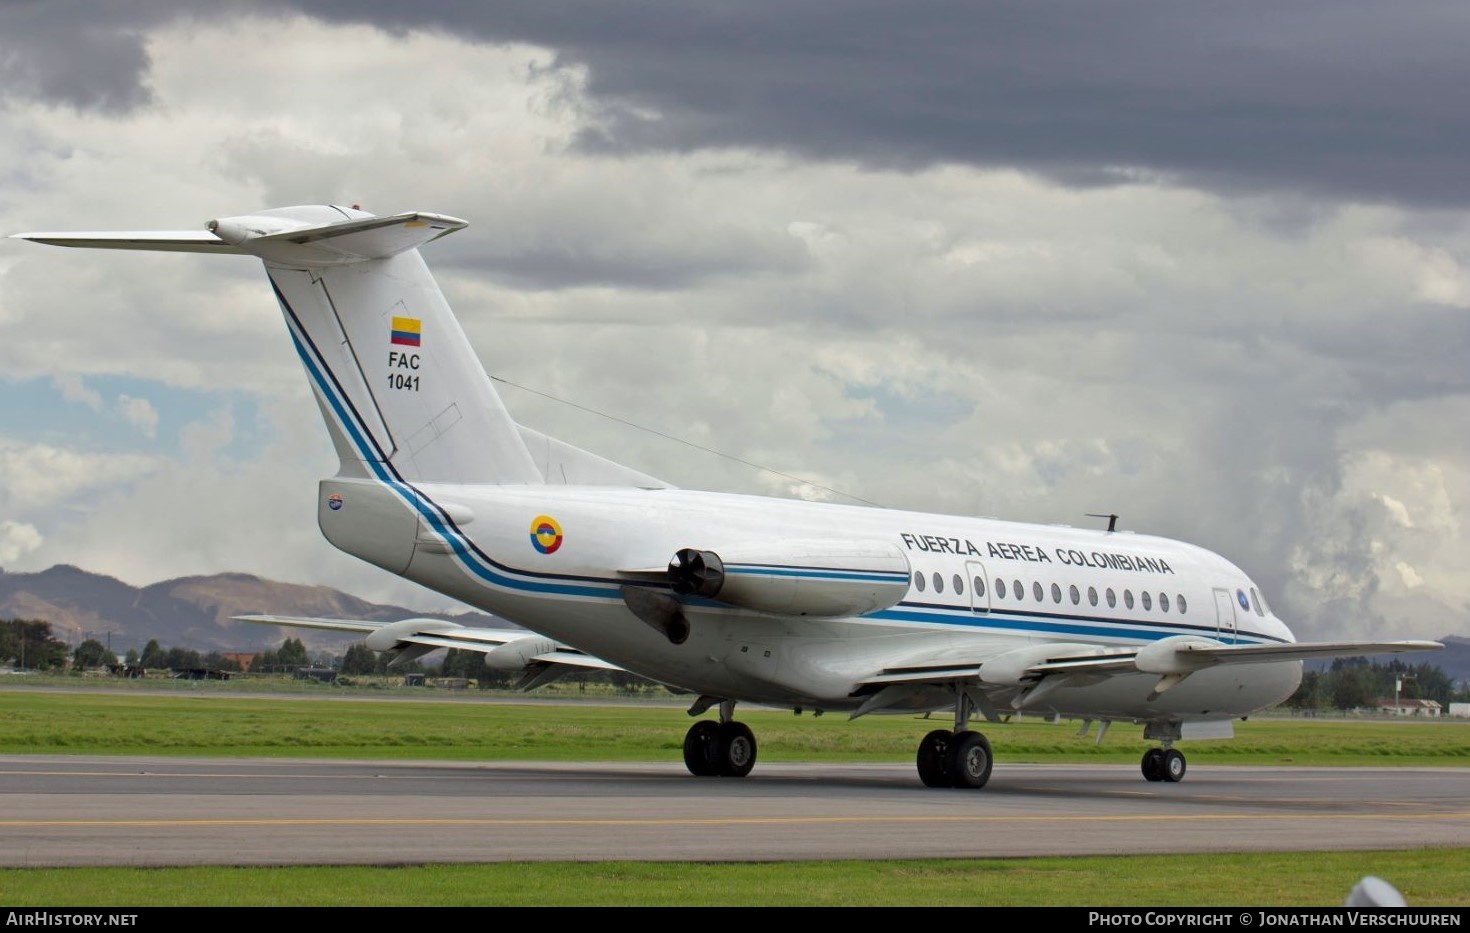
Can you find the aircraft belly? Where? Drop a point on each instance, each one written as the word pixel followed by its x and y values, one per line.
pixel 1218 693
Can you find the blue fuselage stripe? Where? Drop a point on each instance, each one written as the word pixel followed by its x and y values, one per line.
pixel 480 565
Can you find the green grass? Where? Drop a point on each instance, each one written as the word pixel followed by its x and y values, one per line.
pixel 218 722
pixel 325 722
pixel 1426 877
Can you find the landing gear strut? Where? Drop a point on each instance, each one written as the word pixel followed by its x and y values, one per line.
pixel 958 758
pixel 1163 764
pixel 720 749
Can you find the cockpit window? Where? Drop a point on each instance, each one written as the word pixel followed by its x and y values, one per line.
pixel 1256 601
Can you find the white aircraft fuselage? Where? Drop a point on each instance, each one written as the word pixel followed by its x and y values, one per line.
pixel 573 594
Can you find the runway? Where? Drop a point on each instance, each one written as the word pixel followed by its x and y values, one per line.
pixel 72 811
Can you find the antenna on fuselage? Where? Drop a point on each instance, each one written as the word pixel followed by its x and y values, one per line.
pixel 1112 518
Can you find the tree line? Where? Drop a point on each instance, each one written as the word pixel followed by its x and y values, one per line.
pixel 1355 683
pixel 1350 683
pixel 29 644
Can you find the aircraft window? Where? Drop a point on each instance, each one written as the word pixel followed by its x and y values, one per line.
pixel 1092 595
pixel 1256 601
pixel 979 586
pixel 1000 589
pixel 919 580
pixel 1128 598
pixel 1076 596
pixel 1163 602
pixel 1148 601
pixel 1036 591
pixel 938 582
pixel 959 584
pixel 1112 598
pixel 1056 593
pixel 1018 589
pixel 1183 606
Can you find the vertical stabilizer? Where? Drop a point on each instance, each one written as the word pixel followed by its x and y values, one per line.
pixel 399 386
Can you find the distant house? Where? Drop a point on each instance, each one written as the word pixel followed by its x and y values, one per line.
pixel 1461 710
pixel 1388 706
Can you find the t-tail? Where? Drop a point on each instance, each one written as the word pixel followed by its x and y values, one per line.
pixel 403 395
pixel 399 386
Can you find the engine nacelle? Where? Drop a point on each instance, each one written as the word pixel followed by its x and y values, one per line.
pixel 820 578
pixel 391 636
pixel 518 654
pixel 1009 668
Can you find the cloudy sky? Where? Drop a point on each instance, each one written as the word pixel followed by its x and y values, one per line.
pixel 1204 265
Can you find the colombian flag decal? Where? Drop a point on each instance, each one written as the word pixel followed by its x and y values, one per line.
pixel 407 331
pixel 545 534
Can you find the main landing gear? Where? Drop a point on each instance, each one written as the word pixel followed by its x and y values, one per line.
pixel 720 749
pixel 957 758
pixel 1163 764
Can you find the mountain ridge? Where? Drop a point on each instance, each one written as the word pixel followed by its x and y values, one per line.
pixel 194 612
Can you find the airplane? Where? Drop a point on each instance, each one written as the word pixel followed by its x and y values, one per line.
pixel 731 598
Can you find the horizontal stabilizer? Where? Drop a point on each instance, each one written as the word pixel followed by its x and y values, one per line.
pixel 309 236
pixel 356 240
pixel 168 241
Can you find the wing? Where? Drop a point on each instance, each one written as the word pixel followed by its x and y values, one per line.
pixel 1025 674
pixel 539 660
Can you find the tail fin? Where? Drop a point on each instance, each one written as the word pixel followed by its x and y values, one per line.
pixel 399 386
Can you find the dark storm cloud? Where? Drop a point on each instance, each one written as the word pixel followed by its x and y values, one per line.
pixel 1353 98
pixel 85 55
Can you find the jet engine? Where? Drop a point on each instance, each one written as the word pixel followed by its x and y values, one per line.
pixel 824 579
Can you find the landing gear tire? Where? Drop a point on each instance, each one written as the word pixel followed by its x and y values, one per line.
pixel 1173 766
pixel 734 749
pixel 699 748
pixel 970 760
pixel 934 759
pixel 1153 765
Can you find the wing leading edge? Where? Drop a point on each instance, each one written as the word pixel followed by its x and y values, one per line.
pixel 539 660
pixel 1031 672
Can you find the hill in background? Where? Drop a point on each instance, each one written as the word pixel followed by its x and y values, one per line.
pixel 191 612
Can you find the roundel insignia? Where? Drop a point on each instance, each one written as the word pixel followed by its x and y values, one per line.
pixel 1240 598
pixel 334 501
pixel 545 534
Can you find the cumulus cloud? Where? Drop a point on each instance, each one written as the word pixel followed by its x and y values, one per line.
pixel 74 389
pixel 16 539
pixel 140 413
pixel 38 477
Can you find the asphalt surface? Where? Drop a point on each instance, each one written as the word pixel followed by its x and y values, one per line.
pixel 94 811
